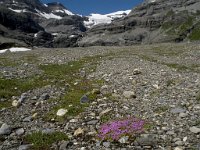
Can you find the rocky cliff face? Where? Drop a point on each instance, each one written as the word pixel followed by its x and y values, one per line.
pixel 152 21
pixel 32 23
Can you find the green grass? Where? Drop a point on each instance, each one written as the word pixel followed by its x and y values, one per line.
pixel 5 104
pixel 43 141
pixel 195 34
pixel 161 109
pixel 14 87
pixel 198 97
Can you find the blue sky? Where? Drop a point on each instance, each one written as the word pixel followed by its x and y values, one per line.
pixel 85 7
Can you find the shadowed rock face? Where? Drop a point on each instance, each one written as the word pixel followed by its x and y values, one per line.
pixel 32 23
pixel 151 22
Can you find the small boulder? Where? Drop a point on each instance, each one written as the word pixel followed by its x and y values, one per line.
pixel 78 132
pixel 195 130
pixel 61 112
pixel 5 129
pixel 129 94
pixel 84 99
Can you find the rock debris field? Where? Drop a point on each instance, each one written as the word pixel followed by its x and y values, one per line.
pixel 59 98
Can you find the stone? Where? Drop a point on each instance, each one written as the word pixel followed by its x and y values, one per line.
pixel 183 115
pixel 22 98
pixel 178 148
pixel 19 131
pixel 105 112
pixel 106 144
pixel 179 143
pixel 64 145
pixel 96 91
pixel 25 147
pixel 177 110
pixel 92 122
pixel 170 133
pixel 61 112
pixel 84 99
pixel 136 72
pixel 195 130
pixel 48 131
pixel 44 96
pixel 5 129
pixel 148 140
pixel 28 119
pixel 73 120
pixel 129 94
pixel 78 132
pixel 15 103
pixel 123 139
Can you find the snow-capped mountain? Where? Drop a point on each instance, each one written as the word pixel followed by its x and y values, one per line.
pixel 95 19
pixel 36 7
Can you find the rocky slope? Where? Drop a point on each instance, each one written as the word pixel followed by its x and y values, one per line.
pixel 151 22
pixel 32 23
pixel 42 93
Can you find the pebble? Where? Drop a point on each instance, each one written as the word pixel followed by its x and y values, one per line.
pixel 20 131
pixel 44 96
pixel 123 139
pixel 78 132
pixel 5 129
pixel 106 144
pixel 195 130
pixel 61 112
pixel 105 112
pixel 84 99
pixel 25 147
pixel 177 110
pixel 28 119
pixel 15 103
pixel 92 122
pixel 129 94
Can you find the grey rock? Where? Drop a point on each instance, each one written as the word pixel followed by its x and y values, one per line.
pixel 195 130
pixel 44 96
pixel 22 97
pixel 65 145
pixel 92 122
pixel 123 139
pixel 129 94
pixel 147 140
pixel 5 129
pixel 106 144
pixel 170 133
pixel 177 110
pixel 25 147
pixel 28 119
pixel 20 131
pixel 84 99
pixel 48 131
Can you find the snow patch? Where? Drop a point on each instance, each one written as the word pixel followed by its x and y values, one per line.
pixel 45 5
pixel 15 49
pixel 48 16
pixel 64 11
pixel 95 19
pixel 71 36
pixel 54 34
pixel 35 35
pixel 17 11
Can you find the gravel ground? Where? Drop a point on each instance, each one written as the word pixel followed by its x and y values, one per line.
pixel 159 83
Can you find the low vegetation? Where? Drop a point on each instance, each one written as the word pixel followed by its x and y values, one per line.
pixel 43 141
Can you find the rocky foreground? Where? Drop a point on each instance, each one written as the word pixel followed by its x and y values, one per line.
pixel 58 98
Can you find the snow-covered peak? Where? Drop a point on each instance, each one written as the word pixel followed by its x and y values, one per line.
pixel 95 19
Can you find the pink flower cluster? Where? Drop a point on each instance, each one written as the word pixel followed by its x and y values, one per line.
pixel 125 127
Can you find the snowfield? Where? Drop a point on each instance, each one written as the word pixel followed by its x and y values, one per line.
pixel 15 49
pixel 95 19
